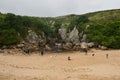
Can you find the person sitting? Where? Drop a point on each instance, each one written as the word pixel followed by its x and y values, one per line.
pixel 69 58
pixel 93 54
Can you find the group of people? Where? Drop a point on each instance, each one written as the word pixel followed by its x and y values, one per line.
pixel 69 58
pixel 42 50
pixel 106 55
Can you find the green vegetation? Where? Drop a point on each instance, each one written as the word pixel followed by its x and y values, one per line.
pixel 104 27
pixel 14 28
pixel 10 36
pixel 107 34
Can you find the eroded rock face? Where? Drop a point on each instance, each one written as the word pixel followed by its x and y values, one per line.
pixel 63 33
pixel 32 37
pixel 73 40
pixel 31 41
pixel 74 36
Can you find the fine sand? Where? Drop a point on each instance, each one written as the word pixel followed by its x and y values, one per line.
pixel 55 66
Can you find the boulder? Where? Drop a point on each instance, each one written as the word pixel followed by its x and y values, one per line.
pixel 20 45
pixel 84 45
pixel 67 46
pixel 102 47
pixel 90 44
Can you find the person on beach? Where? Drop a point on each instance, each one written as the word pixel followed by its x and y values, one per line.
pixel 69 58
pixel 93 54
pixel 107 56
pixel 42 47
pixel 42 51
pixel 85 50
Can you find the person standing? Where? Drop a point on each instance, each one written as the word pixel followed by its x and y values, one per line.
pixel 42 50
pixel 107 56
pixel 42 47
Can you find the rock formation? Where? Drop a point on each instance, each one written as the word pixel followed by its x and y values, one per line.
pixel 73 36
pixel 63 33
pixel 32 37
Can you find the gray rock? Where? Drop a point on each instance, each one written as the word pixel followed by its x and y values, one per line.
pixel 20 45
pixel 84 45
pixel 63 33
pixel 58 47
pixel 102 47
pixel 32 37
pixel 84 38
pixel 77 47
pixel 48 48
pixel 90 44
pixel 74 36
pixel 32 40
pixel 67 46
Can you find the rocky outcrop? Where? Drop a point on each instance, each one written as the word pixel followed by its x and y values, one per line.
pixel 84 38
pixel 90 44
pixel 58 47
pixel 102 47
pixel 84 45
pixel 31 41
pixel 63 33
pixel 73 40
pixel 67 46
pixel 87 45
pixel 77 46
pixel 73 36
pixel 32 37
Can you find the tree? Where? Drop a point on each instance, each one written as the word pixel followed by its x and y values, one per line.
pixel 8 37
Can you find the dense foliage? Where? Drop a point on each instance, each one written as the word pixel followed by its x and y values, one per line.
pixel 107 34
pixel 14 28
pixel 103 29
pixel 79 23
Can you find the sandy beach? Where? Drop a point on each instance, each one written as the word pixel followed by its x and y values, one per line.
pixel 55 66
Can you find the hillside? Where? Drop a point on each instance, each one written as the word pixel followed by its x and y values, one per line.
pixel 101 28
